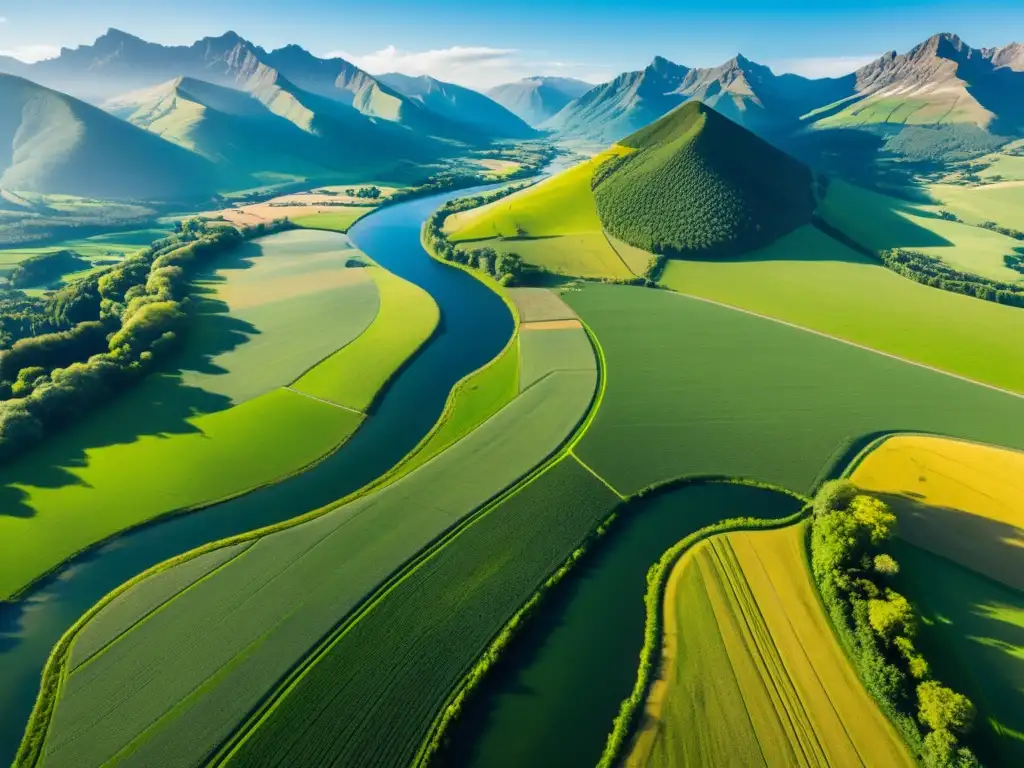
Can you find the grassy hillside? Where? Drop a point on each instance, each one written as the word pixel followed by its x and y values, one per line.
pixel 50 142
pixel 699 185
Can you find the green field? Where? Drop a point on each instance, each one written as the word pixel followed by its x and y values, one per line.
pixel 696 388
pixel 878 221
pixel 257 308
pixel 337 221
pixel 594 620
pixel 1001 202
pixel 972 634
pixel 810 279
pixel 371 700
pixel 256 616
pixel 73 490
pixel 552 224
pixel 537 305
pixel 556 349
pixel 746 636
pixel 103 249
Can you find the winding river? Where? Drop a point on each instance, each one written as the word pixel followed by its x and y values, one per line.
pixel 475 325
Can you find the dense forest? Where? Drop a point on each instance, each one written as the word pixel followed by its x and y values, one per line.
pixel 700 186
pixel 65 352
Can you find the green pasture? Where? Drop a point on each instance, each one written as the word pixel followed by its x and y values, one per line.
pixel 188 435
pixel 100 249
pixel 539 305
pixel 472 401
pixel 812 280
pixel 578 255
pixel 555 349
pixel 273 309
pixel 696 388
pixel 972 634
pixel 336 220
pixel 1001 202
pixel 373 698
pixel 877 221
pixel 225 642
pixel 357 372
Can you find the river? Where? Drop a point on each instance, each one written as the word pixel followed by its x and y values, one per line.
pixel 475 325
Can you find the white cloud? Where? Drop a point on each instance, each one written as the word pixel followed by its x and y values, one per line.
pixel 823 66
pixel 472 66
pixel 31 53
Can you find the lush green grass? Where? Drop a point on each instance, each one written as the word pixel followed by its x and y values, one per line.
pixel 973 636
pixel 225 642
pixel 745 635
pixel 372 698
pixel 99 249
pixel 539 305
pixel 594 620
pixel 337 220
pixel 264 310
pixel 473 400
pixel 810 279
pixel 552 224
pixel 97 478
pixel 407 319
pixel 878 221
pixel 695 388
pixel 1001 202
pixel 700 184
pixel 561 349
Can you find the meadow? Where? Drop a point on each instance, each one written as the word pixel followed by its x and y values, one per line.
pixel 552 224
pixel 745 635
pixel 972 633
pixel 594 620
pixel 336 219
pixel 814 281
pixel 70 492
pixel 696 388
pixel 878 221
pixel 960 500
pixel 373 697
pixel 259 615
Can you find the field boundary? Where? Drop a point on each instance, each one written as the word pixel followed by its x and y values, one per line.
pixel 54 670
pixel 307 664
pixel 591 470
pixel 858 345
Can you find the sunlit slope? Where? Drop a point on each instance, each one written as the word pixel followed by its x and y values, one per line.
pixel 553 224
pixel 50 142
pixel 701 185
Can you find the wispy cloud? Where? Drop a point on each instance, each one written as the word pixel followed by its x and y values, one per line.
pixel 473 66
pixel 822 66
pixel 31 53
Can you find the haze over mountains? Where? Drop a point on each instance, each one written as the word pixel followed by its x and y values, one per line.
pixel 535 99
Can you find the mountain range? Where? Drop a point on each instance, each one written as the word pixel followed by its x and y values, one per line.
pixel 942 81
pixel 535 99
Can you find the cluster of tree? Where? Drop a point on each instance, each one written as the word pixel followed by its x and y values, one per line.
pixel 506 268
pixel 932 271
pixel 709 193
pixel 46 268
pixel 121 323
pixel 948 216
pixel 1016 234
pixel 371 192
pixel 39 222
pixel 849 534
pixel 939 143
pixel 1014 261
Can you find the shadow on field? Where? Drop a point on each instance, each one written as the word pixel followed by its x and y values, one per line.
pixel 161 404
pixel 990 547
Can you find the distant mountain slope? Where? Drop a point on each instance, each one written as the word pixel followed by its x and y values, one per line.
pixel 699 185
pixel 942 81
pixel 459 104
pixel 53 143
pixel 630 101
pixel 118 63
pixel 535 99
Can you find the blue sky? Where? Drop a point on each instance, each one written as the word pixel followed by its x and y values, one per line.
pixel 481 42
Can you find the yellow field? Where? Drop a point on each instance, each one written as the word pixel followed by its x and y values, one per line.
pixel 752 674
pixel 961 500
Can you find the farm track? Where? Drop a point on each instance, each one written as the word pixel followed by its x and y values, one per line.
pixel 325 402
pixel 849 343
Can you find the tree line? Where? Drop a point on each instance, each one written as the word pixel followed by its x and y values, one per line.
pixel 103 332
pixel 934 272
pixel 849 536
